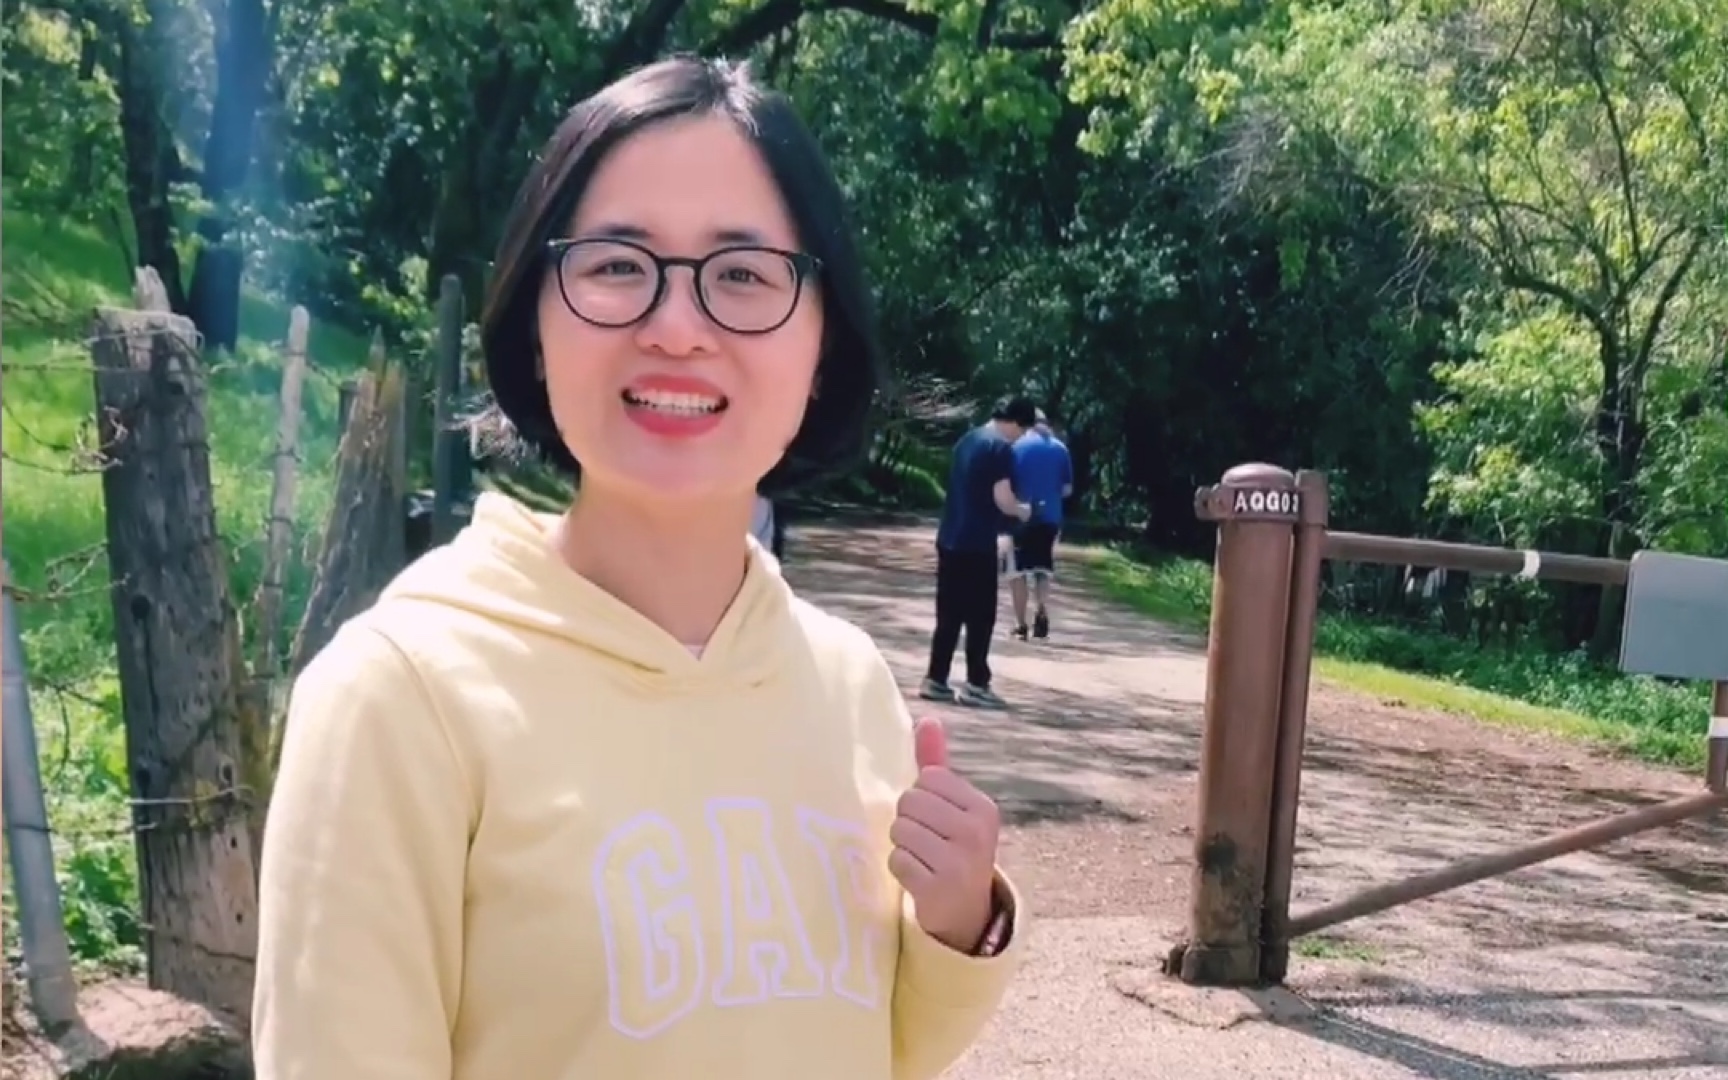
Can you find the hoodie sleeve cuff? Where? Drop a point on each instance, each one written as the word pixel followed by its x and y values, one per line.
pixel 940 975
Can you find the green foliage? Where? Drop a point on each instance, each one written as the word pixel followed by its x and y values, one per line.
pixel 72 167
pixel 1513 427
pixel 1576 150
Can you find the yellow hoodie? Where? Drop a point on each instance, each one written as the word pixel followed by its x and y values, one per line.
pixel 521 833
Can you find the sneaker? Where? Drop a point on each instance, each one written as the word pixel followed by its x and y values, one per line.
pixel 932 690
pixel 980 697
pixel 1040 626
pixel 1020 632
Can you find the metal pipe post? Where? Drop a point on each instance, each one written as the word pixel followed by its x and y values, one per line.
pixel 1716 759
pixel 1469 871
pixel 1256 507
pixel 1309 553
pixel 1474 558
pixel 41 923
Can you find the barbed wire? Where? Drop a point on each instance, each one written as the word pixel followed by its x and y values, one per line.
pixel 236 800
pixel 229 362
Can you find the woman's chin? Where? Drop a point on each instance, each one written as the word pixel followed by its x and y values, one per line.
pixel 653 480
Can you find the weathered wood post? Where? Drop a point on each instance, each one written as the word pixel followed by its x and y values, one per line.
pixel 345 402
pixel 1256 508
pixel 278 529
pixel 178 645
pixel 362 545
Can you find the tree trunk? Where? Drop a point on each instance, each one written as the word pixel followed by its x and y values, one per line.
pixel 244 57
pixel 477 174
pixel 152 162
pixel 1620 441
pixel 180 666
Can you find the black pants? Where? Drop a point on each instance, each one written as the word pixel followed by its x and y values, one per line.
pixel 1035 548
pixel 966 598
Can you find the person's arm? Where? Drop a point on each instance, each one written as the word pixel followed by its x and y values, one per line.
pixel 943 998
pixel 1008 502
pixel 1067 473
pixel 1001 463
pixel 361 890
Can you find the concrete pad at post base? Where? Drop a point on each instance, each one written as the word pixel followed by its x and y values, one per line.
pixel 1065 1019
pixel 1213 1007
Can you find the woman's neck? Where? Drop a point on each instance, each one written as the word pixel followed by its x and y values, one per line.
pixel 680 568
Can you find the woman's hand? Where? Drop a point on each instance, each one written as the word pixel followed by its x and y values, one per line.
pixel 945 835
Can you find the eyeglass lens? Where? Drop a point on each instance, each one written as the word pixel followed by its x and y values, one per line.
pixel 614 284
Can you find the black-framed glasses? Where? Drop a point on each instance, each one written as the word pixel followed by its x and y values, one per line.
pixel 742 288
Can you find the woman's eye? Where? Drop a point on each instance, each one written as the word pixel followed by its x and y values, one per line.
pixel 616 268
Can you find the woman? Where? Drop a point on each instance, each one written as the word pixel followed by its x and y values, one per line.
pixel 595 795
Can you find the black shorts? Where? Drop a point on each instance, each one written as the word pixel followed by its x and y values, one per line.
pixel 1035 548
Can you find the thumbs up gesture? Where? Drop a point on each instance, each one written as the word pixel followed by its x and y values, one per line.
pixel 944 834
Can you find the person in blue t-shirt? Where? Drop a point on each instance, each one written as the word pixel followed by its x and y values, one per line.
pixel 1043 478
pixel 979 507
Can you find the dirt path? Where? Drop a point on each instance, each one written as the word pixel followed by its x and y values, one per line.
pixel 1611 964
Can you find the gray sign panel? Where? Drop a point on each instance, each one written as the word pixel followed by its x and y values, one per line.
pixel 1676 617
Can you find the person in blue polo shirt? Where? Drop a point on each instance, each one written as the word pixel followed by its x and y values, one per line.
pixel 980 506
pixel 1043 478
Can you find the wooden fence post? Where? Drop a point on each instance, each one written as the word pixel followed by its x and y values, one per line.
pixel 268 603
pixel 180 665
pixel 362 546
pixel 345 402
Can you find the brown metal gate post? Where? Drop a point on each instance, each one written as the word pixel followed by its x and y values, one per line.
pixel 1309 552
pixel 1256 509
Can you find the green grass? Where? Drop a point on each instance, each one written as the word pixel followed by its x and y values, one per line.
pixel 1519 688
pixel 1324 947
pixel 54 277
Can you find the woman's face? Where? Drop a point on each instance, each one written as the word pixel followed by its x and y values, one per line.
pixel 677 405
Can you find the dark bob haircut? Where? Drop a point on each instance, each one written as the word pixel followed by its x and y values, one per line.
pixel 850 371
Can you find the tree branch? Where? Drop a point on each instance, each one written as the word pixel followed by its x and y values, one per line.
pixel 776 15
pixel 1623 159
pixel 641 39
pixel 1670 289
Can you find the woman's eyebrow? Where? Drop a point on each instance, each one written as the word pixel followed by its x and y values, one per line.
pixel 721 237
pixel 617 231
pixel 737 236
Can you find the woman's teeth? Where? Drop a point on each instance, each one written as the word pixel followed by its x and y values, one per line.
pixel 694 404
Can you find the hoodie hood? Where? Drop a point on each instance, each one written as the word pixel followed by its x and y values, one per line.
pixel 503 568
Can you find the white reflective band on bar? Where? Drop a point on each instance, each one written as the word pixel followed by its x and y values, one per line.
pixel 1532 564
pixel 1719 727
